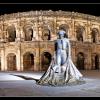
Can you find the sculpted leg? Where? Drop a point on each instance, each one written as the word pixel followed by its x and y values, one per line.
pixel 59 62
pixel 63 57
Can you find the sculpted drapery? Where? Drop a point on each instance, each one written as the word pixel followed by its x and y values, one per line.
pixel 61 71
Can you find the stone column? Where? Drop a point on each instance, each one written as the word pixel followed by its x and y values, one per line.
pixel 18 35
pixel 39 26
pixel 18 59
pixel 5 63
pixel 2 31
pixel 99 36
pixel 21 65
pixel 85 63
pixel 53 33
pixel 22 36
pixel 39 64
pixel 5 36
pixel 73 36
pixel 37 29
pixel 99 61
pixel 88 31
pixel 37 61
pixel 89 60
pixel 34 35
pixel 1 36
pixel 36 64
pixel 37 37
pixel 2 60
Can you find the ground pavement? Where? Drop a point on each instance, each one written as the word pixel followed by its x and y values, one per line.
pixel 17 84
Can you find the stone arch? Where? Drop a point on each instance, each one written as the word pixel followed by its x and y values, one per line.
pixel 94 35
pixel 29 50
pixel 45 60
pixel 28 33
pixel 80 33
pixel 80 61
pixel 11 30
pixel 11 62
pixel 64 27
pixel 28 61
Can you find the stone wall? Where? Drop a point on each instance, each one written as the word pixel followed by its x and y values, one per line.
pixel 34 32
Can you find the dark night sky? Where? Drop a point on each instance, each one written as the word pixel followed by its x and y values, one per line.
pixel 92 9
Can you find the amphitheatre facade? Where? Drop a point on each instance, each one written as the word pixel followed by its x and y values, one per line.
pixel 27 39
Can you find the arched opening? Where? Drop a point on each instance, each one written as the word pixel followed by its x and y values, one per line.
pixel 45 60
pixel 79 33
pixel 46 34
pixel 28 33
pixel 94 34
pixel 80 61
pixel 28 61
pixel 96 62
pixel 11 33
pixel 11 62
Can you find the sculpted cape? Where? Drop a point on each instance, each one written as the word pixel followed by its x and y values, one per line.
pixel 68 73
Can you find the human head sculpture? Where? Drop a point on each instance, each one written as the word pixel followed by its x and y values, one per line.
pixel 62 34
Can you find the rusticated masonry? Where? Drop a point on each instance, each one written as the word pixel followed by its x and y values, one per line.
pixel 27 39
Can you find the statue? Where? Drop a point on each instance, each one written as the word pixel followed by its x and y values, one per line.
pixel 61 71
